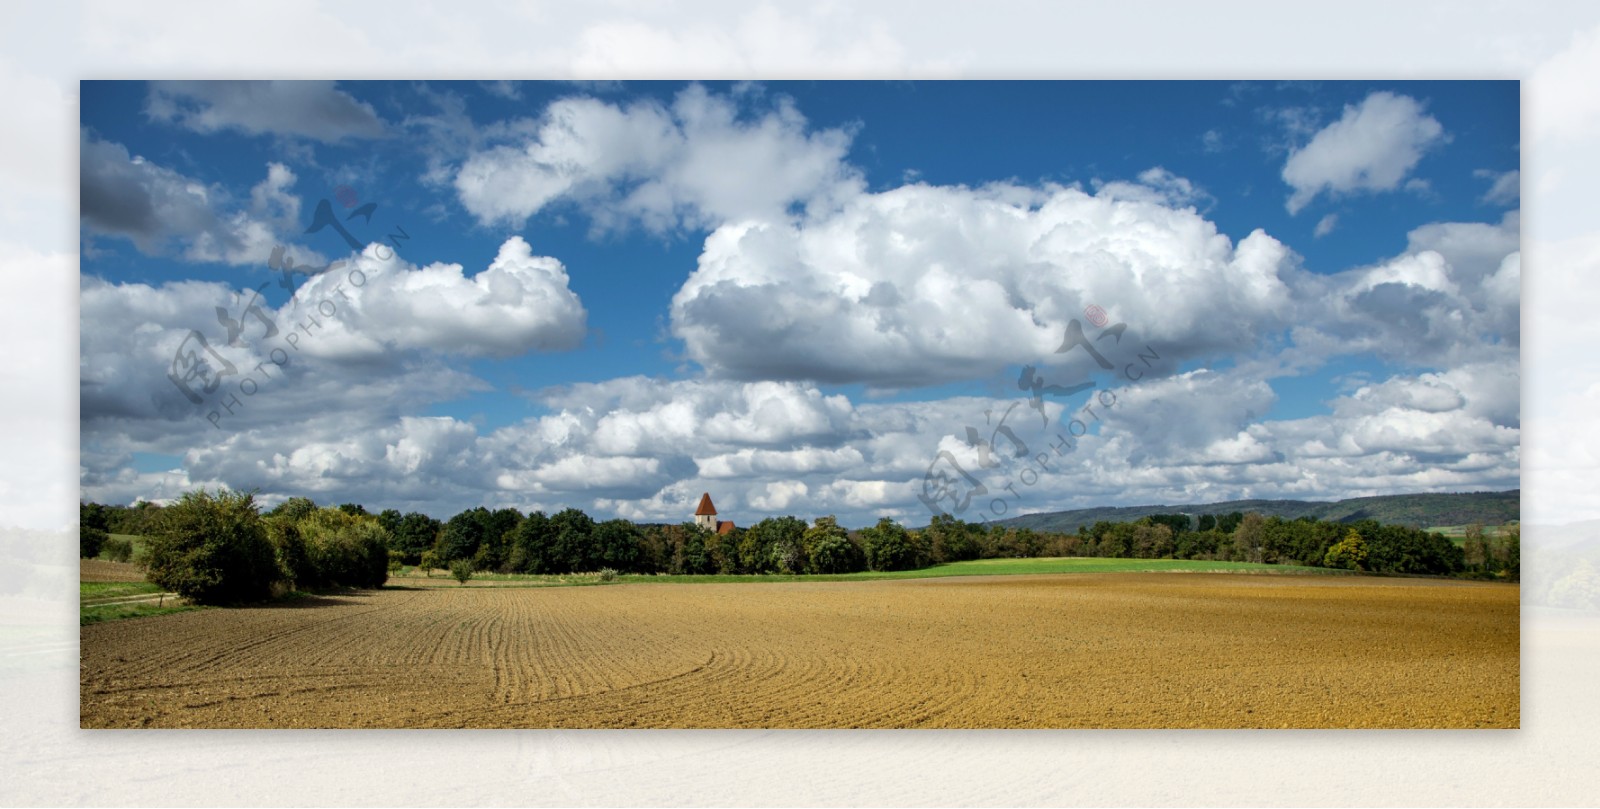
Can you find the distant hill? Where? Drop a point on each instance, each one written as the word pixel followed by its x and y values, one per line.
pixel 1415 510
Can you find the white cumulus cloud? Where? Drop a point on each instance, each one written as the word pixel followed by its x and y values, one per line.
pixel 700 161
pixel 1372 147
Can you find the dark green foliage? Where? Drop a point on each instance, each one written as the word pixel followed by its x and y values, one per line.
pixel 330 547
pixel 952 539
pixel 346 550
pixel 1111 540
pixel 94 515
pixel 1206 522
pixel 353 509
pixel 1201 544
pixel 294 509
pixel 212 549
pixel 1228 523
pixel 573 550
pixel 135 520
pixel 289 549
pixel 829 549
pixel 415 535
pixel 1178 523
pixel 90 541
pixel 618 543
pixel 888 546
pixel 117 549
pixel 532 544
pixel 1398 549
pixel 655 549
pixel 390 520
pixel 774 544
pixel 689 550
pixel 499 531
pixel 463 534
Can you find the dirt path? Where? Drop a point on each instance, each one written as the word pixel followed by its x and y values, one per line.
pixel 1120 650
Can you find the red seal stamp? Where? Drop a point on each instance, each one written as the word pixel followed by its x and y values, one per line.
pixel 1096 315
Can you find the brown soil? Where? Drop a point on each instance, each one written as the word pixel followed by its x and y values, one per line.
pixel 102 570
pixel 1064 651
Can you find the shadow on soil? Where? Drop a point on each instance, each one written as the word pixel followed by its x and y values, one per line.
pixel 308 601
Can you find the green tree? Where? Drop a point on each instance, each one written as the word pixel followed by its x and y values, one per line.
pixel 888 546
pixel 533 545
pixel 390 520
pixel 1228 523
pixel 414 536
pixel 1249 538
pixel 499 531
pixel 212 549
pixel 429 563
pixel 829 549
pixel 952 539
pixel 461 569
pixel 689 556
pixel 618 543
pixel 759 545
pixel 463 534
pixel 91 540
pixel 94 515
pixel 1350 553
pixel 295 508
pixel 1152 540
pixel 573 548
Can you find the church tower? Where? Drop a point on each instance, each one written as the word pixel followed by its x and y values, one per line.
pixel 706 515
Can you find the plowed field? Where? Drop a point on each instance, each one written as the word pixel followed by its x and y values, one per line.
pixel 1066 651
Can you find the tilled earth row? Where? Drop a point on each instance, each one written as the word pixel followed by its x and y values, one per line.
pixel 1065 651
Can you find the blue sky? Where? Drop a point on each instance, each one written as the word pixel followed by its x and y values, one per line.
pixel 799 295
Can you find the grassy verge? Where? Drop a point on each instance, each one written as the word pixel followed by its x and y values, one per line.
pixel 88 590
pixel 102 601
pixel 979 567
pixel 93 614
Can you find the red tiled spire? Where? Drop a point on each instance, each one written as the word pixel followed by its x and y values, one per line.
pixel 705 509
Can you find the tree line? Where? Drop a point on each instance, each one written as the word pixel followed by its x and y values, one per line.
pixel 219 548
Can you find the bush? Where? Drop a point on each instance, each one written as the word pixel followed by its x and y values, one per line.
pixel 289 550
pixel 346 550
pixel 213 549
pixel 461 569
pixel 607 574
pixel 90 541
pixel 117 549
